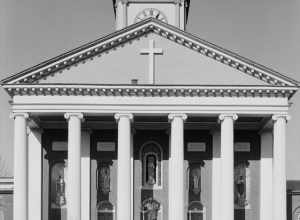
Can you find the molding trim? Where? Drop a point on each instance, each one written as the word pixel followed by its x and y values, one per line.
pixel 151 25
pixel 154 91
pixel 6 184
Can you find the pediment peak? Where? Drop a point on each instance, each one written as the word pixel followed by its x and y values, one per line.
pixel 151 25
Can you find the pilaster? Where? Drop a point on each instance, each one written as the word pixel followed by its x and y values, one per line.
pixel 266 175
pixel 216 175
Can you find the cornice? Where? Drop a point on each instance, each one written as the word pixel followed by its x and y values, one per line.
pixel 146 91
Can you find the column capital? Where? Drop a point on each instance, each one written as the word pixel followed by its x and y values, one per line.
pixel 21 114
pixel 229 115
pixel 286 117
pixel 123 115
pixel 68 115
pixel 171 116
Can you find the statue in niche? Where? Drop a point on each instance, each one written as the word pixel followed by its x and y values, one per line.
pixel 104 181
pixel 60 191
pixel 195 180
pixel 150 209
pixel 240 184
pixel 151 170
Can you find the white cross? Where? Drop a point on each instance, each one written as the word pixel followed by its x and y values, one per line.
pixel 151 51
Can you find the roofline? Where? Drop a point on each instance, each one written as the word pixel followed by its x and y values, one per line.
pixel 73 51
pixel 167 26
pixel 231 86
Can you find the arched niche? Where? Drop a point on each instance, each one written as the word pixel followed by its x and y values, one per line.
pixel 58 173
pixel 242 185
pixel 151 156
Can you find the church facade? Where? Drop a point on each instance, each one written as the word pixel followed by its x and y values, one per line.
pixel 150 123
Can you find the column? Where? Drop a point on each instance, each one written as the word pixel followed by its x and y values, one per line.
pixel 227 160
pixel 20 166
pixel 85 175
pixel 216 176
pixel 124 167
pixel 35 174
pixel 266 174
pixel 279 173
pixel 176 167
pixel 74 166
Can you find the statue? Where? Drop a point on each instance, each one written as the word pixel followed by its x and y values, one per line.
pixel 240 185
pixel 151 170
pixel 105 179
pixel 150 209
pixel 60 191
pixel 195 180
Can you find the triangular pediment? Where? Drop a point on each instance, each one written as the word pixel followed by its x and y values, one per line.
pixel 116 59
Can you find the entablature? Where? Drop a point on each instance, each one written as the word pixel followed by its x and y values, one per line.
pixel 148 91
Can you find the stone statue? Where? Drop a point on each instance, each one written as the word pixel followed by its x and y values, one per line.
pixel 240 185
pixel 151 208
pixel 151 170
pixel 60 192
pixel 105 179
pixel 195 180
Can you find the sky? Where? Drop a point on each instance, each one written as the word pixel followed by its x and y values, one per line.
pixel 266 31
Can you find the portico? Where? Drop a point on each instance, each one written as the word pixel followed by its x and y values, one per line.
pixel 29 110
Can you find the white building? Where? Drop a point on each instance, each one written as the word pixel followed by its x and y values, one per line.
pixel 151 123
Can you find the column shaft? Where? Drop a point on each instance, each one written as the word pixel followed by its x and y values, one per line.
pixel 124 167
pixel 35 174
pixel 266 175
pixel 74 166
pixel 279 173
pixel 176 168
pixel 20 167
pixel 227 158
